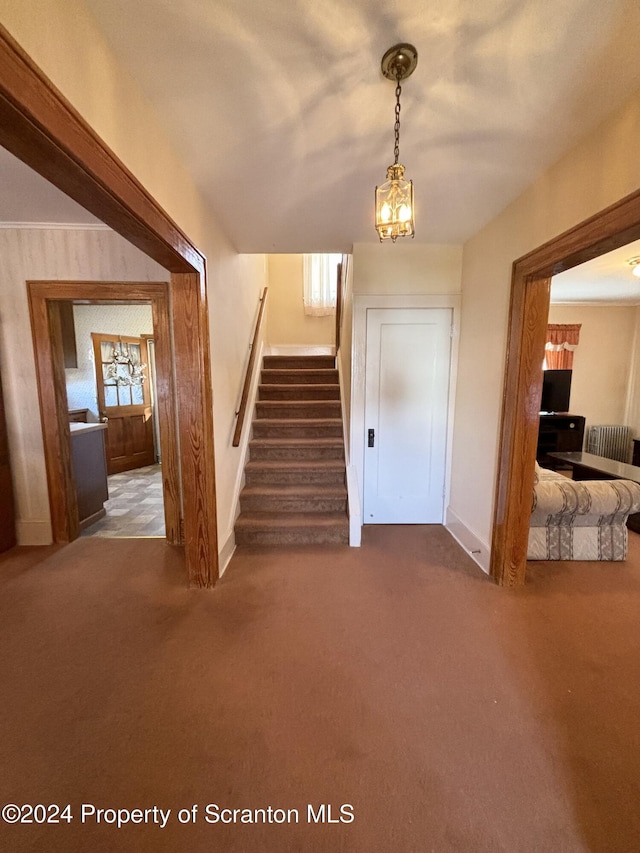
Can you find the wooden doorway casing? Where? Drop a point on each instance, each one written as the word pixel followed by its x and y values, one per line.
pixel 528 313
pixel 40 127
pixel 44 297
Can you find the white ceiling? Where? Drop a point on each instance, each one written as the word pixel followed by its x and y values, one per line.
pixel 280 110
pixel 26 197
pixel 293 87
pixel 607 279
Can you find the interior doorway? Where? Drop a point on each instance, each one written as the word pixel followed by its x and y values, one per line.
pixel 45 300
pixel 530 295
pixel 111 380
pixel 41 128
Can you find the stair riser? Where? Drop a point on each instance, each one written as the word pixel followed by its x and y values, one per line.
pixel 295 430
pixel 296 377
pixel 286 453
pixel 299 392
pixel 275 503
pixel 282 536
pixel 290 409
pixel 298 362
pixel 295 478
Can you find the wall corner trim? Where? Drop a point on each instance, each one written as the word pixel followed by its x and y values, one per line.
pixel 475 547
pixel 34 532
pixel 227 551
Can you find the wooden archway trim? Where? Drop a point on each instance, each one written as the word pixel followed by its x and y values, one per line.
pixel 40 127
pixel 528 313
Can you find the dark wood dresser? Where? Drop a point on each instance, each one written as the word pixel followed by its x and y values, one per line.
pixel 559 434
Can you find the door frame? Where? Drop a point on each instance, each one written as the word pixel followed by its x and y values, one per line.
pixel 361 304
pixel 47 345
pixel 609 229
pixel 40 127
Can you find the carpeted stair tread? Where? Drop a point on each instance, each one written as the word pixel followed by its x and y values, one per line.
pixel 295 409
pixel 298 362
pixel 296 464
pixel 296 448
pixel 308 421
pixel 294 498
pixel 298 442
pixel 327 376
pixel 292 519
pixel 293 491
pixel 291 528
pixel 297 427
pixel 316 472
pixel 298 392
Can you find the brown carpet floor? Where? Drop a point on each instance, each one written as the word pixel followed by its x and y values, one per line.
pixel 452 715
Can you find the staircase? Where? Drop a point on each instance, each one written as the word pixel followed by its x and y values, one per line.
pixel 295 489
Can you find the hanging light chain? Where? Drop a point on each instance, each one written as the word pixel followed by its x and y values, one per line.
pixel 396 127
pixel 394 208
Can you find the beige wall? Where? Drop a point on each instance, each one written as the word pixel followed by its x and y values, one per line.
pixel 287 323
pixel 62 38
pixel 602 362
pixel 596 173
pixel 632 408
pixel 404 268
pixel 234 294
pixel 46 254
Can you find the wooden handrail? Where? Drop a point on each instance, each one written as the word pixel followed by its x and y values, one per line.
pixel 242 411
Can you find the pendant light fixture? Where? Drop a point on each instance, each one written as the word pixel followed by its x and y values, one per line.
pixel 395 215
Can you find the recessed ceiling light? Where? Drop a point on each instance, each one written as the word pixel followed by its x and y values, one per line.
pixel 634 263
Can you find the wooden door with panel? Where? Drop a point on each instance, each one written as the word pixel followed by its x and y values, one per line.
pixel 124 400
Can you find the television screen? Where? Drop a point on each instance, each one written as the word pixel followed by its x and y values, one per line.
pixel 556 391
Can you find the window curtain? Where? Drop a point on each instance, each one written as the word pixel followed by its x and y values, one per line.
pixel 562 342
pixel 320 274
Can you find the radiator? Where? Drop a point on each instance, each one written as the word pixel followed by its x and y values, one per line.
pixel 613 442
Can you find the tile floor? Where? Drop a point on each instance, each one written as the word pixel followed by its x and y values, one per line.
pixel 135 507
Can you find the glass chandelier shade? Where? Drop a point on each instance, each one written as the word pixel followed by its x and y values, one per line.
pixel 395 211
pixel 394 205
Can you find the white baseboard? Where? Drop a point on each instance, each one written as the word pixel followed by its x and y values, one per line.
pixel 226 552
pixel 299 349
pixel 355 515
pixel 34 532
pixel 477 549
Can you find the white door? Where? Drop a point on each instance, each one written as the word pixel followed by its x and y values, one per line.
pixel 406 401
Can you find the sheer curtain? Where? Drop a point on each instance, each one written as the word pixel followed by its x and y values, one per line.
pixel 320 273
